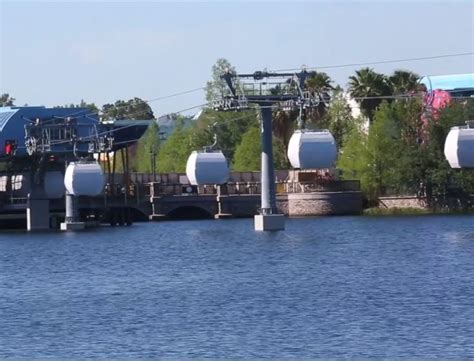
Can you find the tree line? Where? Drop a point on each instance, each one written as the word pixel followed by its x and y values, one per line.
pixel 396 153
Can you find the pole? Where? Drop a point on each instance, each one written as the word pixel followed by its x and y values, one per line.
pixel 268 219
pixel 267 171
pixel 71 208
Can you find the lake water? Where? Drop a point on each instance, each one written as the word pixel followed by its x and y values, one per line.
pixel 324 287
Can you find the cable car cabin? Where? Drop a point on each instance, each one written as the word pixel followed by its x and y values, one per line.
pixel 312 149
pixel 207 167
pixel 459 147
pixel 84 179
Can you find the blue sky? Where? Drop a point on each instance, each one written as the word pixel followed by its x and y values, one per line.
pixel 60 52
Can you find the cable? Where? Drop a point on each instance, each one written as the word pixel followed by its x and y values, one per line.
pixel 94 136
pixel 378 62
pixel 146 101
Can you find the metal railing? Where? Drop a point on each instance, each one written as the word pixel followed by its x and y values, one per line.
pixel 157 189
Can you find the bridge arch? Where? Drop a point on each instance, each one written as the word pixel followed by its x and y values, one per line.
pixel 189 212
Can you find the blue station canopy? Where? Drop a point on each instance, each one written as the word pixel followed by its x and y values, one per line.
pixel 449 82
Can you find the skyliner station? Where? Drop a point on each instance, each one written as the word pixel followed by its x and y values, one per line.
pixel 58 166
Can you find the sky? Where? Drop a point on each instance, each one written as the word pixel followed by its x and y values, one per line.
pixel 53 53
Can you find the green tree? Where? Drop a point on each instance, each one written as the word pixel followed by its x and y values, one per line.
pixel 228 127
pixel 366 87
pixel 135 108
pixel 339 117
pixel 83 104
pixel 248 154
pixel 217 87
pixel 320 85
pixel 6 100
pixel 374 158
pixel 434 171
pixel 147 149
pixel 403 82
pixel 175 151
pixel 392 158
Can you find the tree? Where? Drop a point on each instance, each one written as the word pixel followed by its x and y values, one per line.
pixel 320 86
pixel 340 120
pixel 366 85
pixel 83 104
pixel 174 152
pixel 6 100
pixel 248 154
pixel 227 126
pixel 147 149
pixel 392 158
pixel 375 158
pixel 216 87
pixel 135 108
pixel 403 82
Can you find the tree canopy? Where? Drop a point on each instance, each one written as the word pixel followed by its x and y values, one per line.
pixel 216 87
pixel 248 154
pixel 392 159
pixel 147 148
pixel 135 108
pixel 6 100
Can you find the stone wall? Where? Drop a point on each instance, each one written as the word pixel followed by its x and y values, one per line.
pixel 324 203
pixel 291 204
pixel 403 202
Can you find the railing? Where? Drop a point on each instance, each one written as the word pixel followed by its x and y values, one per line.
pixel 249 188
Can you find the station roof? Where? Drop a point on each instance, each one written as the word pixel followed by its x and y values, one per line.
pixel 449 82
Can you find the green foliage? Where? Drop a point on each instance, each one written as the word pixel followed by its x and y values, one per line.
pixel 365 85
pixel 147 147
pixel 284 124
pixel 175 151
pixel 438 178
pixel 228 126
pixel 402 81
pixel 6 100
pixel 216 87
pixel 135 108
pixel 248 153
pixel 392 159
pixel 83 104
pixel 339 118
pixel 320 85
pixel 379 158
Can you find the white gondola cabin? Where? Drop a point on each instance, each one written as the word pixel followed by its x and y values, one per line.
pixel 207 167
pixel 459 147
pixel 84 179
pixel 312 149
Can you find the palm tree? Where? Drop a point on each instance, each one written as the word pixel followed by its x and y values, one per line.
pixel 366 87
pixel 402 82
pixel 319 84
pixel 284 124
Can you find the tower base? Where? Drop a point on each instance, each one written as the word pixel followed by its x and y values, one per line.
pixel 269 222
pixel 73 226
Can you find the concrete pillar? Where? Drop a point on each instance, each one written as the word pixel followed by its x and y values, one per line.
pixel 71 221
pixel 268 219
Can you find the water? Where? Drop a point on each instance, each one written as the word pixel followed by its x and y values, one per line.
pixel 325 287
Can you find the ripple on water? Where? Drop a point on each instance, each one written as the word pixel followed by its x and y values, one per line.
pixel 325 287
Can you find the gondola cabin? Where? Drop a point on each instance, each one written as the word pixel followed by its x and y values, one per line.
pixel 84 179
pixel 207 167
pixel 459 147
pixel 312 149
